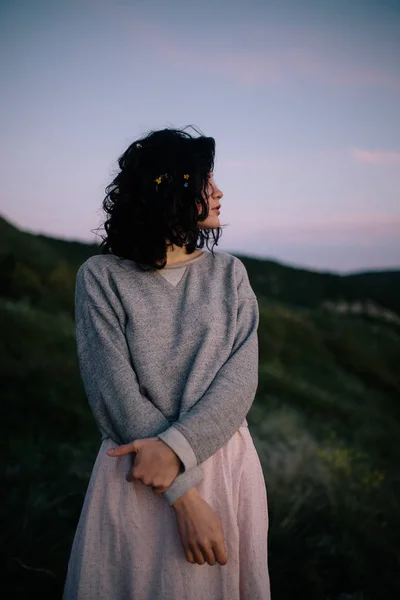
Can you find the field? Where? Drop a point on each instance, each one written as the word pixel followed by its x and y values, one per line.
pixel 326 424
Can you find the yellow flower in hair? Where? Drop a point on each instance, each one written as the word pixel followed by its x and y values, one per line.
pixel 186 176
pixel 158 180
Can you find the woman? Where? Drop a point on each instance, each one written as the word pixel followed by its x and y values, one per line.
pixel 176 506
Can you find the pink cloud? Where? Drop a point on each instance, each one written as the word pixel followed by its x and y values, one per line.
pixel 364 230
pixel 258 66
pixel 377 157
pixel 368 223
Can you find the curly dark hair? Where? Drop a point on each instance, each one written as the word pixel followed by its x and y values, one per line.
pixel 145 217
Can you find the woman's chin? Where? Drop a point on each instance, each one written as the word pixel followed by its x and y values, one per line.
pixel 212 222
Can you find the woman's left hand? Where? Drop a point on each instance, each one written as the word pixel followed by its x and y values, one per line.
pixel 156 464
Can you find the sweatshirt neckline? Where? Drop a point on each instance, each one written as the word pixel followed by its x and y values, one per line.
pixel 186 263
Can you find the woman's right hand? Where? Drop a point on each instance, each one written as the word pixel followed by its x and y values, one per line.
pixel 200 529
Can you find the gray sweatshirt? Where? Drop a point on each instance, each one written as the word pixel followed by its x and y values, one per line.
pixel 173 359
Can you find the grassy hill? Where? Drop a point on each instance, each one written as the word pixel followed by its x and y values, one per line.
pixel 326 423
pixel 35 266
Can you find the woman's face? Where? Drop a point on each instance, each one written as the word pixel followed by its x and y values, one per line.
pixel 213 200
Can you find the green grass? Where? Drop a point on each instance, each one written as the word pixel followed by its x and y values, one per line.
pixel 325 423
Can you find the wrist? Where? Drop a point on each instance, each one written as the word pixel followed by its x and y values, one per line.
pixel 175 440
pixel 174 456
pixel 186 499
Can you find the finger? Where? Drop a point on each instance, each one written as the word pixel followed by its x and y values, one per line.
pixel 208 554
pixel 190 557
pixel 121 450
pixel 220 553
pixel 198 555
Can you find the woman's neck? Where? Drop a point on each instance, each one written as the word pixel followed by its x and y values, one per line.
pixel 176 255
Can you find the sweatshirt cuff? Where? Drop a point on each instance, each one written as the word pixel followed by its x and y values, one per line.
pixel 179 444
pixel 182 483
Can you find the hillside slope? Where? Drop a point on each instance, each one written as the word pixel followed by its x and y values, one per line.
pixel 29 263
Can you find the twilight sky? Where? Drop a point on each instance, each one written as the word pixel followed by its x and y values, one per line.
pixel 302 97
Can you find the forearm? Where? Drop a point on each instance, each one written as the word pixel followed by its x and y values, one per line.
pixel 112 388
pixel 186 499
pixel 125 423
pixel 217 415
pixel 182 483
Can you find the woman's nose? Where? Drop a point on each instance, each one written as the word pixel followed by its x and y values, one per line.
pixel 218 193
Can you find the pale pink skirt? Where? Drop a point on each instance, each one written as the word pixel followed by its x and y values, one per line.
pixel 127 545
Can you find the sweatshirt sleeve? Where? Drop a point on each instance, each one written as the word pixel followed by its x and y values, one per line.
pixel 110 381
pixel 216 416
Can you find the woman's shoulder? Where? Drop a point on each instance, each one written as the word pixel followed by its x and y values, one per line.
pixel 239 273
pixel 226 258
pixel 231 261
pixel 101 263
pixel 99 272
pixel 97 279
